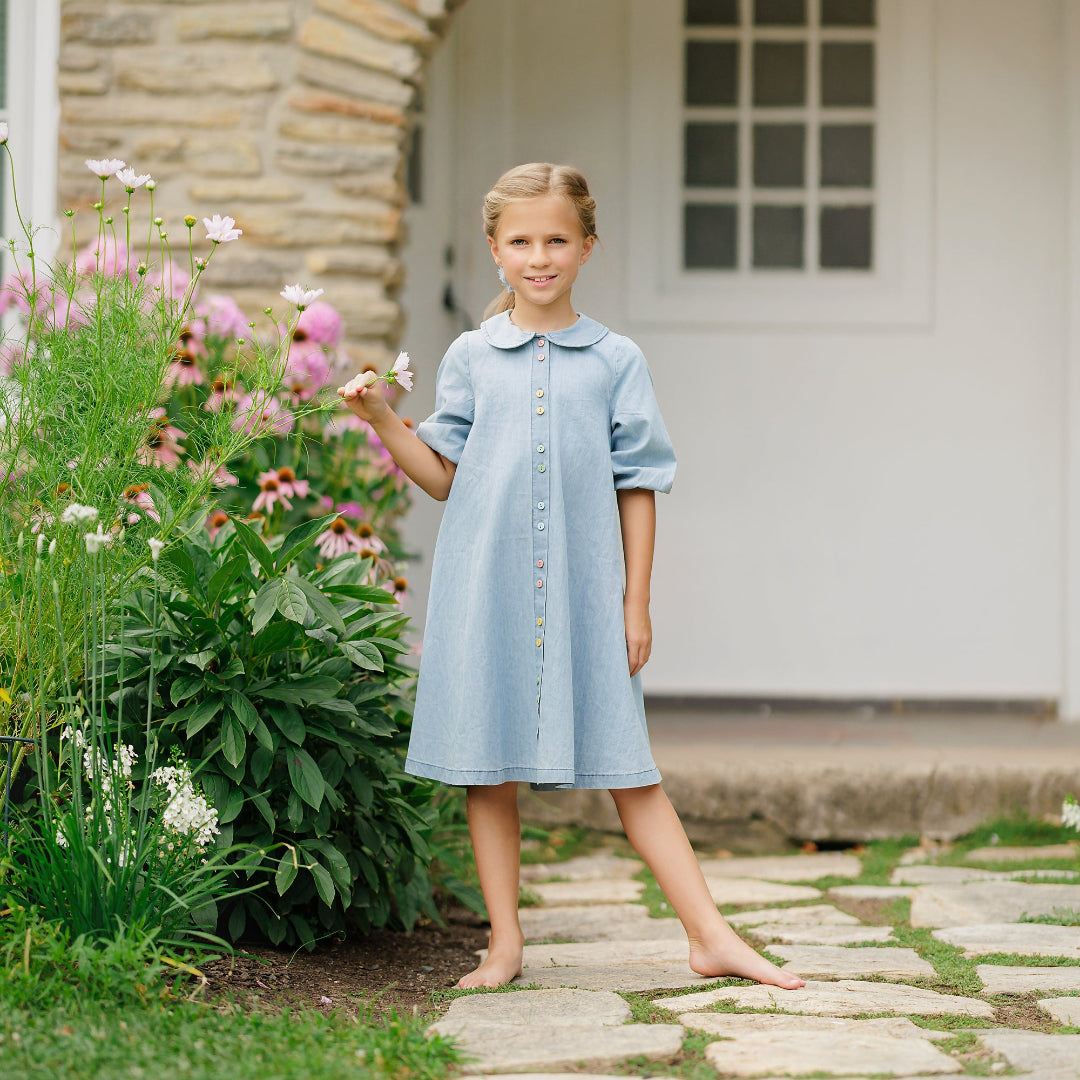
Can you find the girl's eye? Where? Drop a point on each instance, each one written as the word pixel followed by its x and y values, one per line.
pixel 557 240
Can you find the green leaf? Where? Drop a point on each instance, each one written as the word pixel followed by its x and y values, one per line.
pixel 304 691
pixel 233 668
pixel 363 654
pixel 261 761
pixel 289 723
pixel 202 716
pixel 233 806
pixel 287 867
pixel 224 577
pixel 262 734
pixel 200 659
pixel 389 645
pixel 323 635
pixel 262 804
pixel 254 545
pixel 322 607
pixel 291 601
pixel 264 607
pixel 338 864
pixel 180 561
pixel 245 712
pixel 373 619
pixel 300 538
pixel 233 740
pixel 324 883
pixel 184 687
pixel 361 592
pixel 306 778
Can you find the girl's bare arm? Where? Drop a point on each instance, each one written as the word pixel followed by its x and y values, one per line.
pixel 427 468
pixel 637 516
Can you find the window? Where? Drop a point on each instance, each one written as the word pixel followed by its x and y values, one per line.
pixel 781 160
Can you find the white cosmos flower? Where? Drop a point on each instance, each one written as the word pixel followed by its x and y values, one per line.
pixel 131 180
pixel 301 297
pixel 1070 814
pixel 402 375
pixel 77 514
pixel 155 547
pixel 3 133
pixel 220 230
pixel 105 167
pixel 95 541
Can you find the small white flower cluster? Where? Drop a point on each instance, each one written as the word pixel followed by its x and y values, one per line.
pixel 95 541
pixel 75 735
pixel 1070 813
pixel 186 812
pixel 77 514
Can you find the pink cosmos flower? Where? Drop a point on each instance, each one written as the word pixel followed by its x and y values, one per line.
pixel 219 476
pixel 169 280
pixel 12 355
pixel 269 493
pixel 162 442
pixel 223 317
pixel 214 522
pixel 130 178
pixel 308 371
pixel 221 230
pixel 338 539
pixel 262 414
pixel 139 495
pixel 400 372
pixel 301 297
pixel 105 167
pixel 15 292
pixel 290 486
pixel 319 323
pixel 224 394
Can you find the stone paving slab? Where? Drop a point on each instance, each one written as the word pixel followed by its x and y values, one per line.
pixel 808 915
pixel 552 1029
pixel 1027 1050
pixel 988 902
pixel 797 1053
pixel 959 875
pixel 566 893
pixel 843 998
pixel 660 975
pixel 998 854
pixel 828 962
pixel 577 954
pixel 1065 1010
pixel 819 935
pixel 751 891
pixel 871 892
pixel 737 1023
pixel 1001 979
pixel 597 922
pixel 785 867
pixel 599 866
pixel 1032 939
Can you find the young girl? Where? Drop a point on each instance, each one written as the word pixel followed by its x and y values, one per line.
pixel 546 443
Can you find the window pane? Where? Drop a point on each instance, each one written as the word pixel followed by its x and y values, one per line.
pixel 848 13
pixel 780 12
pixel 778 237
pixel 712 73
pixel 711 155
pixel 847 73
pixel 847 237
pixel 779 155
pixel 712 12
pixel 847 155
pixel 779 73
pixel 709 236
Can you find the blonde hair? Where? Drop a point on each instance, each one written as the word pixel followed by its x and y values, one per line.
pixel 533 181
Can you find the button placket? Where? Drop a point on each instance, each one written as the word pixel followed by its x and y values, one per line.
pixel 539 368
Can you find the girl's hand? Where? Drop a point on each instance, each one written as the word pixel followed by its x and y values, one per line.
pixel 638 634
pixel 364 397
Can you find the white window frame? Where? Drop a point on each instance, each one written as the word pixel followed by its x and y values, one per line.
pixel 33 118
pixel 897 291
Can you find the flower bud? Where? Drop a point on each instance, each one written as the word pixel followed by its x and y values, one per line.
pixel 189 220
pixel 40 542
pixel 69 212
pixel 159 222
pixel 109 220
pixel 151 184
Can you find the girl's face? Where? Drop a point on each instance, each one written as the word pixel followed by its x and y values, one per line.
pixel 540 245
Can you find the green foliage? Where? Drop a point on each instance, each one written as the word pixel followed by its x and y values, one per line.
pixel 286 690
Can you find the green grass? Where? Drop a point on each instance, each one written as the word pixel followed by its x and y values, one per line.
pixel 1058 917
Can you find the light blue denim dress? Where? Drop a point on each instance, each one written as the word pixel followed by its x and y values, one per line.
pixel 524 674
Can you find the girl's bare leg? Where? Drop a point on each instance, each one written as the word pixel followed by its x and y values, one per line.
pixel 495 829
pixel 654 829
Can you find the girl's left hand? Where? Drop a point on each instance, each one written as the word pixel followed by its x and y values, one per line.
pixel 638 634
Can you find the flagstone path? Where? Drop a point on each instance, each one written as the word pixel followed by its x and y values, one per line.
pixel 1005 998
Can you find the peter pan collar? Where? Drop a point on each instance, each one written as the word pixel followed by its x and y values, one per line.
pixel 503 334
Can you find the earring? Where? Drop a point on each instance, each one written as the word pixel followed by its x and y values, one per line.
pixel 502 280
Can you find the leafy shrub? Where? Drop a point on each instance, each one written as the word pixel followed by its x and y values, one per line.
pixel 285 689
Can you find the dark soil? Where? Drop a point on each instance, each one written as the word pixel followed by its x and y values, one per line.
pixel 386 969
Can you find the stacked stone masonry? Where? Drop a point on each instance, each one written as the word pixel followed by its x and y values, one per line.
pixel 291 117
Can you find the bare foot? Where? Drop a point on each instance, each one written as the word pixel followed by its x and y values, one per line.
pixel 500 966
pixel 724 953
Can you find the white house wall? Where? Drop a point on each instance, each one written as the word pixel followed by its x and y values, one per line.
pixel 858 511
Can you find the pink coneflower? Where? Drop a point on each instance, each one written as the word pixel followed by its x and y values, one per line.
pixel 290 486
pixel 368 538
pixel 219 476
pixel 162 445
pixel 224 394
pixel 223 317
pixel 270 493
pixel 400 585
pixel 262 414
pixel 320 324
pixel 41 519
pixel 346 509
pixel 16 289
pixel 184 369
pixel 104 255
pixel 214 522
pixel 139 495
pixel 308 371
pixel 338 539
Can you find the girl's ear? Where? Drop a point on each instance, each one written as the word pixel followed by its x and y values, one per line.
pixel 586 249
pixel 491 244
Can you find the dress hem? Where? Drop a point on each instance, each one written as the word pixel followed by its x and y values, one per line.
pixel 546 778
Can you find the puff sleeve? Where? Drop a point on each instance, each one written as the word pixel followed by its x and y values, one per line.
pixel 641 452
pixel 447 428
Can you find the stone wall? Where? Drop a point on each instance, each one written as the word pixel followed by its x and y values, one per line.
pixel 289 115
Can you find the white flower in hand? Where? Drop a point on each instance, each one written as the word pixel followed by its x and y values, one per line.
pixel 220 230
pixel 105 167
pixel 132 180
pixel 301 297
pixel 400 372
